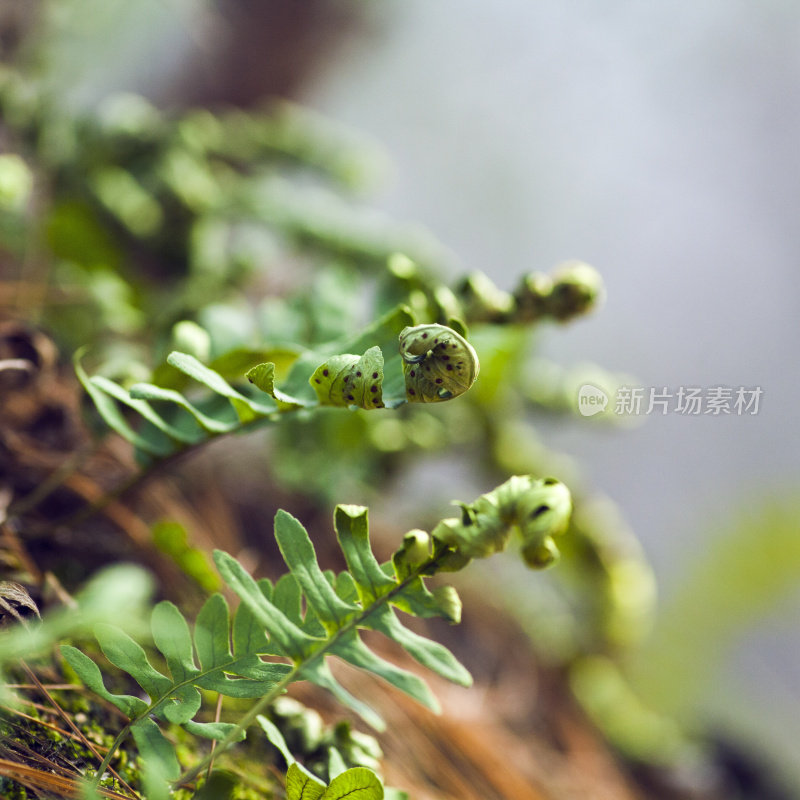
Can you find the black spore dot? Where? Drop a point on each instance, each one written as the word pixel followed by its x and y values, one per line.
pixel 411 391
pixel 413 374
pixel 539 510
pixel 358 374
pixel 373 389
pixel 374 375
pixel 424 335
pixel 350 397
pixel 438 380
pixel 317 380
pixel 325 373
pixel 449 367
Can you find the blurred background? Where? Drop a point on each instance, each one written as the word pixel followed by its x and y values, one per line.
pixel 656 142
pixel 659 143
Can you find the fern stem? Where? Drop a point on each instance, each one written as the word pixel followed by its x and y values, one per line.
pixel 109 755
pixel 245 721
pixel 242 724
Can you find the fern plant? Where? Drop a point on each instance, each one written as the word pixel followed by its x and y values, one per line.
pixel 374 379
pixel 284 632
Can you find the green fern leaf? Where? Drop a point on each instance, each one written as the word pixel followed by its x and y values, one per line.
pixel 332 619
pixel 213 424
pixel 357 783
pixel 302 785
pixel 245 408
pixel 122 651
pixel 276 738
pixel 153 746
pixel 293 641
pixel 299 555
pixel 91 676
pixel 143 408
pixel 112 416
pixel 310 615
pixel 430 654
pixel 352 530
pixel 353 650
pixel 319 673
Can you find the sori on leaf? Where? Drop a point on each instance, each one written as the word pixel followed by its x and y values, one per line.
pixel 400 362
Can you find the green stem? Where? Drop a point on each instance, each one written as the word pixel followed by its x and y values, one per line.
pixel 110 754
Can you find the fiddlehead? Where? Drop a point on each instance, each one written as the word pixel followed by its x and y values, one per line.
pixel 438 363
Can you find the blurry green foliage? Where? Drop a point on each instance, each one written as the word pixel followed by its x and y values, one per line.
pixel 171 538
pixel 743 573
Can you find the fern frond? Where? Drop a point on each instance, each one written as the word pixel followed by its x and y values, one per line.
pixel 169 421
pixel 285 632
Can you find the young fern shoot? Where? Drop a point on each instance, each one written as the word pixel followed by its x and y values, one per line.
pixel 284 632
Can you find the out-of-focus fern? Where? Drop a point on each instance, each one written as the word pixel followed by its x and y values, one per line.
pixel 309 615
pixel 301 784
pixel 328 376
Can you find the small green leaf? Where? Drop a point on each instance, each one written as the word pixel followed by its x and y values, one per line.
pixel 336 764
pixel 276 738
pixel 262 376
pixel 352 531
pixel 302 785
pixel 349 380
pixel 211 633
pixel 430 654
pixel 147 391
pixel 358 783
pixel 145 410
pixel 243 688
pixel 298 552
pixel 92 678
pixel 248 634
pixel 125 653
pixel 245 408
pixel 355 652
pixel 213 730
pixel 289 598
pixel 153 746
pixel 319 673
pixel 109 411
pixel 292 641
pixel 172 637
